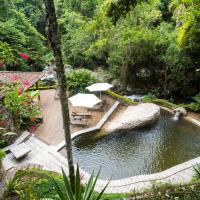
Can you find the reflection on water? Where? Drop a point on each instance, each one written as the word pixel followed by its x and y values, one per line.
pixel 143 151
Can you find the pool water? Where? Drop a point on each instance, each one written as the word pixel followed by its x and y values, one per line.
pixel 143 151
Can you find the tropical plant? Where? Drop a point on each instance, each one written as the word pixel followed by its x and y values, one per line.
pixel 17 34
pixel 20 102
pixel 5 138
pixel 80 192
pixel 6 53
pixel 78 80
pixel 196 104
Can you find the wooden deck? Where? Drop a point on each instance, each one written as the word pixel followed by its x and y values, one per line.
pixel 51 130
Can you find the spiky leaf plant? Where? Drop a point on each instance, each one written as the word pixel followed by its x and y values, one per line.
pixel 80 193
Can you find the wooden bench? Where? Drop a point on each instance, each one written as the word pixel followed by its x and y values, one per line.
pixel 77 117
pixel 20 150
pixel 84 114
pixel 78 122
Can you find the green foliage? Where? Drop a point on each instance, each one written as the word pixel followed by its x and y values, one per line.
pixel 160 36
pixel 78 80
pixel 84 7
pixel 195 106
pixel 6 53
pixel 6 138
pixel 18 34
pixel 80 194
pixel 2 155
pixel 33 184
pixel 20 103
pixel 161 191
pixel 120 8
pixel 38 184
pixel 197 172
pixel 162 102
pixel 85 42
pixel 33 10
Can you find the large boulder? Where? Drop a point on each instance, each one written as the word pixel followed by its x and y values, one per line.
pixel 134 117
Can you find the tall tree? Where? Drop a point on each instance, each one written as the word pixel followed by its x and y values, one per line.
pixel 55 41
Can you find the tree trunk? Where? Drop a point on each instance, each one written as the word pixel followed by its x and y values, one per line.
pixel 54 39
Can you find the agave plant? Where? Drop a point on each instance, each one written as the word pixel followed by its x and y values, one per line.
pixel 80 193
pixel 197 172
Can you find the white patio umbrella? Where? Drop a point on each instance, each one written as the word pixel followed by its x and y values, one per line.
pixel 84 100
pixel 99 87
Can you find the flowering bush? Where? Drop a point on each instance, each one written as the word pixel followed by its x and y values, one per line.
pixel 20 103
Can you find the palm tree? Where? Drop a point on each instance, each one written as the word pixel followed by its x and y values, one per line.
pixel 55 42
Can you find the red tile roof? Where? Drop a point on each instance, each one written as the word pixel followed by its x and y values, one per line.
pixel 32 77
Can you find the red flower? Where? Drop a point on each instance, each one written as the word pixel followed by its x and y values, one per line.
pixel 14 78
pixel 23 55
pixel 20 90
pixel 26 83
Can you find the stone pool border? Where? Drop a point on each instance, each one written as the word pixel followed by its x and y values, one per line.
pixel 178 174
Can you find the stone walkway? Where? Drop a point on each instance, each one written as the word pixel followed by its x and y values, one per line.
pixel 41 155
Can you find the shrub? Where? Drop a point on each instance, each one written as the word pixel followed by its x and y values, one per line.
pixel 6 138
pixel 166 191
pixel 20 102
pixel 78 80
pixel 195 106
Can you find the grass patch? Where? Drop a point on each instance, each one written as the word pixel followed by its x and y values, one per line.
pixel 122 98
pixel 43 87
pixel 195 106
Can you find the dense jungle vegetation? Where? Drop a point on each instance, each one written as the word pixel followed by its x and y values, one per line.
pixel 151 45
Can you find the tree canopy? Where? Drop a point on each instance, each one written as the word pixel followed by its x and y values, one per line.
pixel 153 45
pixel 18 34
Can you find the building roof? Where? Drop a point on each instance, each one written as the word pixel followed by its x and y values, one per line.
pixel 32 77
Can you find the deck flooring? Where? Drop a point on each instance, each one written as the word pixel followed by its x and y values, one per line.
pixel 51 130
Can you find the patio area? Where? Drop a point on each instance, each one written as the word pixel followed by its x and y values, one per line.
pixel 51 130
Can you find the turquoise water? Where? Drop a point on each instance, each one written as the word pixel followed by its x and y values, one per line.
pixel 143 151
